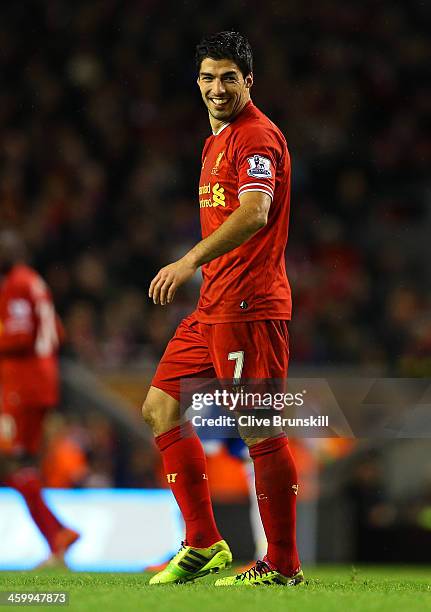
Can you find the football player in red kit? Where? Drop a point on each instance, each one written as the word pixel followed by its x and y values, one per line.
pixel 239 328
pixel 30 334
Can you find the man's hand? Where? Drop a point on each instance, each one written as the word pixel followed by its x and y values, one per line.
pixel 241 225
pixel 165 284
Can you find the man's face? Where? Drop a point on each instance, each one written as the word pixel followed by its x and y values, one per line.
pixel 224 90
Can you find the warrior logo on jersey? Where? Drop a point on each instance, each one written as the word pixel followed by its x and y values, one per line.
pixel 260 167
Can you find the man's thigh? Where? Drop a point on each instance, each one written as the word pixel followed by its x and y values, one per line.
pixel 186 356
pixel 249 349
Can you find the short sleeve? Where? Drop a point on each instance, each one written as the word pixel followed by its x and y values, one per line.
pixel 256 158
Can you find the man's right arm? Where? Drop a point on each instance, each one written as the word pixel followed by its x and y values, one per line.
pixel 240 226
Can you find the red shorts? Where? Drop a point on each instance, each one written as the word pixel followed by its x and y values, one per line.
pixel 21 430
pixel 247 349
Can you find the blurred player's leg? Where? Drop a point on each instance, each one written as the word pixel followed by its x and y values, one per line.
pixel 26 480
pixel 259 537
pixel 237 448
pixel 23 439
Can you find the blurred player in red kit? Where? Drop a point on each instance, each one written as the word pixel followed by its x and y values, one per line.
pixel 239 328
pixel 30 334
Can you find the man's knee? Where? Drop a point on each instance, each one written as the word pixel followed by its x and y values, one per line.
pixel 160 411
pixel 147 413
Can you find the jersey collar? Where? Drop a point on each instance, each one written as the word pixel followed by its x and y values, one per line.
pixel 225 125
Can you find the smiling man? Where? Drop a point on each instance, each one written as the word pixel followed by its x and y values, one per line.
pixel 239 328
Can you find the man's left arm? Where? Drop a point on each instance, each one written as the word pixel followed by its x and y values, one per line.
pixel 240 226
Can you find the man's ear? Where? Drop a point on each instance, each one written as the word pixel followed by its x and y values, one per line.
pixel 249 80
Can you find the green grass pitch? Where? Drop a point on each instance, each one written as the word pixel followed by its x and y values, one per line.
pixel 327 589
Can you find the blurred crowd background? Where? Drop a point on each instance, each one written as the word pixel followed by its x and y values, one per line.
pixel 101 132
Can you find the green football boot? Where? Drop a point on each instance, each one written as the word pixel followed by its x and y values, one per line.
pixel 261 575
pixel 191 563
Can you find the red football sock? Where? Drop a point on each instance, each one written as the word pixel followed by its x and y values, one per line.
pixel 276 488
pixel 185 466
pixel 27 482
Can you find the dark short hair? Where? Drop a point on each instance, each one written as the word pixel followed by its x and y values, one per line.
pixel 226 45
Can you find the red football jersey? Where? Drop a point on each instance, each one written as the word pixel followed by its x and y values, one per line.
pixel 249 283
pixel 29 341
